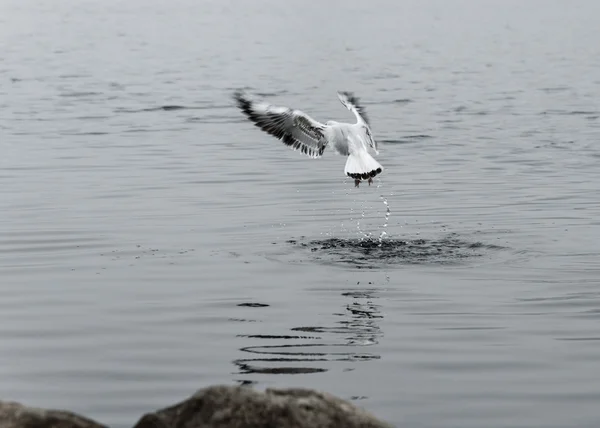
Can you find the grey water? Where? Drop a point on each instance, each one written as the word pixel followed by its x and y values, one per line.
pixel 153 241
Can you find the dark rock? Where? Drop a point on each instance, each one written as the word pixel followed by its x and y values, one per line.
pixel 218 407
pixel 15 415
pixel 244 407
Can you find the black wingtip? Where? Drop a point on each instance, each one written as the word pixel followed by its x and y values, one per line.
pixel 350 95
pixel 243 102
pixel 355 101
pixel 239 96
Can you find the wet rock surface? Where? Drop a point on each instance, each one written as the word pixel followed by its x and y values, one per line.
pixel 16 415
pixel 218 407
pixel 244 407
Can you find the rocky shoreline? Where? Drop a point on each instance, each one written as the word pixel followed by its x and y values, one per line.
pixel 218 406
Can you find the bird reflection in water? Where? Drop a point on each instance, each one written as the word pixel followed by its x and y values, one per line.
pixel 315 349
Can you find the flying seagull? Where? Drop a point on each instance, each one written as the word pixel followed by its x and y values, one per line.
pixel 301 132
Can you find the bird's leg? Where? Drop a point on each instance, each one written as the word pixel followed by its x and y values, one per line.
pixel 356 182
pixel 370 180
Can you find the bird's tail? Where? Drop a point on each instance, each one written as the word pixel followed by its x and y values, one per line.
pixel 361 166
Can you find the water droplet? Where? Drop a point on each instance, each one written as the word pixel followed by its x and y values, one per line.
pixel 387 218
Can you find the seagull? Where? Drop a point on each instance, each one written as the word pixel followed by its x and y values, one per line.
pixel 301 132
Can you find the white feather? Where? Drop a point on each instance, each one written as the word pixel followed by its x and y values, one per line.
pixel 299 131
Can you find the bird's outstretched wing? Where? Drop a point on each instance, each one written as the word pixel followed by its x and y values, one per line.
pixel 293 127
pixel 352 103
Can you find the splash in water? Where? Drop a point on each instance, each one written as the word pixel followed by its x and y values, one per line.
pixel 387 218
pixel 372 254
pixel 362 234
pixel 383 233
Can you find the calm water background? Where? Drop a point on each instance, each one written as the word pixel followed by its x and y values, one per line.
pixel 144 223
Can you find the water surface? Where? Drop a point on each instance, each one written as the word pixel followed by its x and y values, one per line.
pixel 153 242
